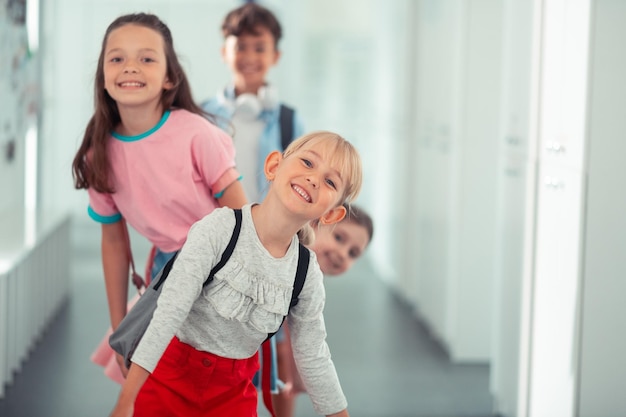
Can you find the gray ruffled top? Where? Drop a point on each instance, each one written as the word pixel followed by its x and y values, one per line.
pixel 247 299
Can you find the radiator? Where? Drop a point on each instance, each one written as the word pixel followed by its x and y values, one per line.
pixel 34 284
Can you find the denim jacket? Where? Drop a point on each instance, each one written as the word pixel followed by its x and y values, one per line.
pixel 222 107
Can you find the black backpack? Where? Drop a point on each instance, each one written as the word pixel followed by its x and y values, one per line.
pixel 126 337
pixel 301 269
pixel 285 119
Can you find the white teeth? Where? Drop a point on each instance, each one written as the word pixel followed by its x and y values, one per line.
pixel 248 70
pixel 303 193
pixel 131 84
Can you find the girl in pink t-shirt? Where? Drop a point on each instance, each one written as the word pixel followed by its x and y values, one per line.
pixel 149 155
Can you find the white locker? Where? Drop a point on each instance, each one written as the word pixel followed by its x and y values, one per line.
pixel 458 70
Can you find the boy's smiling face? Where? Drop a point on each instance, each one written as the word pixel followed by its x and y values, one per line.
pixel 250 57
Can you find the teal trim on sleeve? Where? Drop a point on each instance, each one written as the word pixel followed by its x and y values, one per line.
pixel 116 135
pixel 103 219
pixel 221 193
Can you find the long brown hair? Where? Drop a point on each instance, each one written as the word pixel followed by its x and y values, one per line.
pixel 90 167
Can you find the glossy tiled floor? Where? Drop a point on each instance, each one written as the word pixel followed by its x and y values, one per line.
pixel 388 365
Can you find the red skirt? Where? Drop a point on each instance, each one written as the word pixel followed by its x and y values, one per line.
pixel 188 383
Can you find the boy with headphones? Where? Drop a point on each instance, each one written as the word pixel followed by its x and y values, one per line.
pixel 249 106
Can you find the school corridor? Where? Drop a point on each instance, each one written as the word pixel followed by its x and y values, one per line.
pixel 388 365
pixel 492 139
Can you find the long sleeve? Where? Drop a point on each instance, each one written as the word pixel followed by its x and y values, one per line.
pixel 311 352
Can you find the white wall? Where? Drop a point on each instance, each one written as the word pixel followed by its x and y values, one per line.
pixel 514 202
pixel 603 341
pixel 17 105
pixel 452 181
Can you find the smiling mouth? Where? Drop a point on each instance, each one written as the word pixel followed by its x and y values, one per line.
pixel 136 84
pixel 336 265
pixel 248 69
pixel 302 193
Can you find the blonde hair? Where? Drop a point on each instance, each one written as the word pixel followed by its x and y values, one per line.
pixel 344 156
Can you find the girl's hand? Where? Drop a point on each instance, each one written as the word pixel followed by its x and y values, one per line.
pixel 122 364
pixel 125 406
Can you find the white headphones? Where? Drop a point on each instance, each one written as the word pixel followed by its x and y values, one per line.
pixel 250 105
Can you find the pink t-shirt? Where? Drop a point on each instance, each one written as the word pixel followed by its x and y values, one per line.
pixel 166 179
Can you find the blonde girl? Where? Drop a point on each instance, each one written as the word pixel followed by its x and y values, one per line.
pixel 198 356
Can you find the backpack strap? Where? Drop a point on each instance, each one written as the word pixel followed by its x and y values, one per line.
pixel 298 283
pixel 225 255
pixel 266 347
pixel 229 248
pixel 303 266
pixel 286 125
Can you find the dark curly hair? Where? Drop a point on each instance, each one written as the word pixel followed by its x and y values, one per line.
pixel 248 18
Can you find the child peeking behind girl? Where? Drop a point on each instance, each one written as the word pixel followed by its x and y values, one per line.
pixel 337 247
